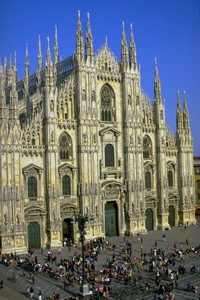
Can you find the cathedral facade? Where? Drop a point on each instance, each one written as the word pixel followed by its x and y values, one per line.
pixel 80 136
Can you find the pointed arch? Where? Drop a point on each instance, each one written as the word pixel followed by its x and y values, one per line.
pixel 147 147
pixel 65 147
pixel 107 103
pixel 171 174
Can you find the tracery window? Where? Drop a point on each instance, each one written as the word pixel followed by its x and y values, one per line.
pixel 148 181
pixel 170 178
pixel 107 104
pixel 66 185
pixel 109 156
pixel 147 147
pixel 65 147
pixel 32 187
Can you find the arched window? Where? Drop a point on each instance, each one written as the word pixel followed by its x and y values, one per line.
pixel 66 185
pixel 65 147
pixel 32 187
pixel 109 156
pixel 170 178
pixel 107 103
pixel 148 182
pixel 22 120
pixel 147 147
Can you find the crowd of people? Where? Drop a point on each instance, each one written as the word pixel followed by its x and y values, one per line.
pixel 156 272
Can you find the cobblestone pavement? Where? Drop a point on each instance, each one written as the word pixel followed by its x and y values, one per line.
pixel 120 291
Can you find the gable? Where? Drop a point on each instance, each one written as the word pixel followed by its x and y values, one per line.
pixel 106 61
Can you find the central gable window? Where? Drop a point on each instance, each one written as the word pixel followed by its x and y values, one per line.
pixel 147 147
pixel 107 103
pixel 65 147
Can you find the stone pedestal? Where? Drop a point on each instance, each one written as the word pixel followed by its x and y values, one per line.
pixel 56 239
pixel 13 243
pixel 85 291
pixel 187 216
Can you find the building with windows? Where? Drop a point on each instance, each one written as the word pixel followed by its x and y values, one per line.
pixel 197 185
pixel 80 135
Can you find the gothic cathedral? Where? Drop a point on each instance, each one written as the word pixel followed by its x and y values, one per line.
pixel 80 136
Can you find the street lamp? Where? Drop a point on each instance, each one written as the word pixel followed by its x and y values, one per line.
pixel 82 220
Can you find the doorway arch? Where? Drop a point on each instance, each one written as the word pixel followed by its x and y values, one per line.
pixel 149 221
pixel 171 216
pixel 68 230
pixel 111 219
pixel 34 240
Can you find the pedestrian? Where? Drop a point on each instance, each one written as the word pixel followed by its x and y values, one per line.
pixel 40 296
pixel 1 284
pixel 31 292
pixel 36 260
pixel 33 278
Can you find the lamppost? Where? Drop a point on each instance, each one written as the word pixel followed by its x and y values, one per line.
pixel 82 220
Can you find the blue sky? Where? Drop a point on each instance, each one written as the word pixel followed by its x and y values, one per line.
pixel 169 30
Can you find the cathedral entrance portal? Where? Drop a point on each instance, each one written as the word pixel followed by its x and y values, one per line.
pixel 149 222
pixel 111 219
pixel 68 230
pixel 34 241
pixel 172 215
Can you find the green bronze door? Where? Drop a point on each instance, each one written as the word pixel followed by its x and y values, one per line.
pixel 111 223
pixel 34 235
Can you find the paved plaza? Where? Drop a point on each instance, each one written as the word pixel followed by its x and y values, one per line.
pixel 181 238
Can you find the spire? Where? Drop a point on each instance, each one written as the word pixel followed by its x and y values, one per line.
pixel 26 79
pixel 15 61
pixel 2 86
pixel 157 83
pixel 124 41
pixel 49 71
pixel 89 31
pixel 185 111
pixel 3 108
pixel 132 50
pixel 79 40
pixel 178 112
pixel 5 63
pixel 89 41
pixel 178 105
pixel 15 70
pixel 185 106
pixel 178 100
pixel 27 64
pixel 124 48
pixel 56 48
pixel 106 42
pixel 10 62
pixel 48 58
pixel 39 56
